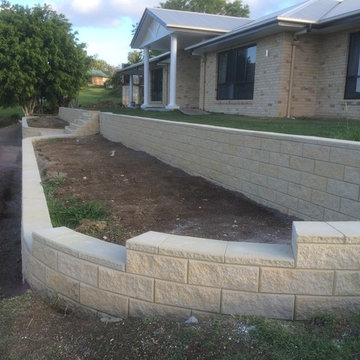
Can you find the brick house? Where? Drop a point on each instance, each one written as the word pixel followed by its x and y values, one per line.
pixel 303 61
pixel 97 77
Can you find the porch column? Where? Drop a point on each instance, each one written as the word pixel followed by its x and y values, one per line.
pixel 172 85
pixel 146 78
pixel 131 91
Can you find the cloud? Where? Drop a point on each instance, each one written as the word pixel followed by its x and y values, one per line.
pixel 110 13
pixel 103 13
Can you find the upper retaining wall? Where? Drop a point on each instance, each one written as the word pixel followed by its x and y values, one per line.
pixel 308 177
pixel 178 276
pixel 71 114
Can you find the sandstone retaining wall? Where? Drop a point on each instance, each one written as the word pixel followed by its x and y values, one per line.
pixel 308 177
pixel 177 276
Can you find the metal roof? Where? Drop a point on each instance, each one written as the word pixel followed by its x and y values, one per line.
pixel 309 12
pixel 194 20
pixel 131 69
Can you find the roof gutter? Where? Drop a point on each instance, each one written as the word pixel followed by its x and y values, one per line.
pixel 184 27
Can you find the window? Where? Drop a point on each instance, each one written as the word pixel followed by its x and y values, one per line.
pixel 156 84
pixel 352 88
pixel 236 74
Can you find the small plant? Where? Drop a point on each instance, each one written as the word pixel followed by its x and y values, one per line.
pixel 70 211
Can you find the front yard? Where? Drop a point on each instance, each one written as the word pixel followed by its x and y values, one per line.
pixel 102 99
pixel 31 329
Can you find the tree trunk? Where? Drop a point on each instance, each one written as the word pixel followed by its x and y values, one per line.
pixel 28 107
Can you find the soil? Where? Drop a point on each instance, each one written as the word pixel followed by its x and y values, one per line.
pixel 143 194
pixel 10 212
pixel 48 122
pixel 31 329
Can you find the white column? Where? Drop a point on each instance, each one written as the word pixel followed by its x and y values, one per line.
pixel 146 78
pixel 131 91
pixel 172 85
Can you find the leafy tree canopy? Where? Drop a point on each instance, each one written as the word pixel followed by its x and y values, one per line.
pixel 221 7
pixel 40 57
pixel 135 56
pixel 99 64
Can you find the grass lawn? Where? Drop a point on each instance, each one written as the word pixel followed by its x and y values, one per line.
pixel 32 329
pixel 331 128
pixel 92 95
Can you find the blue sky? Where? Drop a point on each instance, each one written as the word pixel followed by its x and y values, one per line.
pixel 105 25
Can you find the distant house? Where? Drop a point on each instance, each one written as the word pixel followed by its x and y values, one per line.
pixel 98 77
pixel 303 61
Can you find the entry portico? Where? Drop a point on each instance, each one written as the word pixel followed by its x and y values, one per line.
pixel 169 30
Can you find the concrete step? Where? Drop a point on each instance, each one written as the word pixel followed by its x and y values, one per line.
pixel 47 133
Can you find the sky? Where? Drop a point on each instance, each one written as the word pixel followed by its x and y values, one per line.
pixel 105 25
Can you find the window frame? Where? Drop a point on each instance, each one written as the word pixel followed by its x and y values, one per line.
pixel 236 85
pixel 353 65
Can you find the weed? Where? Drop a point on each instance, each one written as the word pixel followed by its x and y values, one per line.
pixel 52 141
pixel 70 211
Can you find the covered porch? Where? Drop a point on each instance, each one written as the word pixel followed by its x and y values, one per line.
pixel 173 78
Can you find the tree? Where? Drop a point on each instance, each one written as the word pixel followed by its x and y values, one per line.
pixel 99 64
pixel 221 7
pixel 40 58
pixel 135 56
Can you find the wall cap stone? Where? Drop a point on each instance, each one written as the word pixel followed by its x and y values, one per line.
pixel 84 247
pixel 316 232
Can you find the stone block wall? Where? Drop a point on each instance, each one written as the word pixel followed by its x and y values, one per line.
pixel 308 177
pixel 28 131
pixel 178 276
pixel 82 122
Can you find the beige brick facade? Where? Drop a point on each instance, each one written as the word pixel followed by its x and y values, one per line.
pixel 318 82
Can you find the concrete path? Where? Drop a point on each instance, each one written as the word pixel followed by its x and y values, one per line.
pixel 10 212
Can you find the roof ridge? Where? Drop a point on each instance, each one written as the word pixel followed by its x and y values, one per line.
pixel 199 13
pixel 337 3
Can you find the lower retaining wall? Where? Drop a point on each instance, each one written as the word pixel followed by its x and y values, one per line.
pixel 28 131
pixel 307 177
pixel 178 276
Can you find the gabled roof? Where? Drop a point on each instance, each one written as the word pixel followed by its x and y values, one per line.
pixel 316 13
pixel 176 20
pixel 100 73
pixel 134 68
pixel 194 20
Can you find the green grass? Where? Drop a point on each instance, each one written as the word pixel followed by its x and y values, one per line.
pixel 70 211
pixel 9 116
pixel 91 95
pixel 330 128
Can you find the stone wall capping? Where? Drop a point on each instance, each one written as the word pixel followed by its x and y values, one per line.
pixel 350 229
pixel 316 232
pixel 247 253
pixel 147 242
pixel 194 248
pixel 84 247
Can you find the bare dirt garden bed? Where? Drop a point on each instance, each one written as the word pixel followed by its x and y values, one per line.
pixel 140 193
pixel 48 122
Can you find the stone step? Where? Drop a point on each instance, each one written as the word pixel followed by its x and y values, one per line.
pixel 47 133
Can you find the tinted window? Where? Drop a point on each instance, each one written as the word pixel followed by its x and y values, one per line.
pixel 236 74
pixel 352 89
